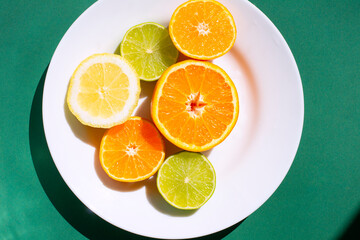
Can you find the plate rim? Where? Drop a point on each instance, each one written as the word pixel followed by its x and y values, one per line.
pixel 298 140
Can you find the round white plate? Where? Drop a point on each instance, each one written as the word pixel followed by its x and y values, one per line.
pixel 250 164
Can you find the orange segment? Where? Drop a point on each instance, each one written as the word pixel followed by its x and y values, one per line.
pixel 195 105
pixel 202 29
pixel 132 151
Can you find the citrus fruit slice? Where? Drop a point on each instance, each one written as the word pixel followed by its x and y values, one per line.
pixel 103 91
pixel 195 105
pixel 202 29
pixel 132 151
pixel 149 49
pixel 186 180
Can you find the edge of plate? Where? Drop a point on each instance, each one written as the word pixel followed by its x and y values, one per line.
pixel 187 236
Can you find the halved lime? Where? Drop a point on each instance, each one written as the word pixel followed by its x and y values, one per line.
pixel 186 180
pixel 149 49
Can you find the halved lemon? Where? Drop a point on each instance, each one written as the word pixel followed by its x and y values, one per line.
pixel 104 91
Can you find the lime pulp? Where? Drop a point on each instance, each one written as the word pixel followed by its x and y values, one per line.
pixel 149 49
pixel 186 180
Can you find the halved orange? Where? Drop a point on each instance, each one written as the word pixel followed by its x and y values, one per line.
pixel 195 105
pixel 132 151
pixel 202 29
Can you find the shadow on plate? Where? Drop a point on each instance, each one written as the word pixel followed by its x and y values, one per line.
pixel 66 203
pixel 254 103
pixel 92 136
pixel 158 202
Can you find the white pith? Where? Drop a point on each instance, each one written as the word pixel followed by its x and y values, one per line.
pixel 203 28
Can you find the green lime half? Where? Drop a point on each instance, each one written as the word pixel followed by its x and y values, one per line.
pixel 149 49
pixel 186 180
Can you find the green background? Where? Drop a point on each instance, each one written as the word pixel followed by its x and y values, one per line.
pixel 320 196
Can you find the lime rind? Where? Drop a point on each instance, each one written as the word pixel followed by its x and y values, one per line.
pixel 149 49
pixel 186 180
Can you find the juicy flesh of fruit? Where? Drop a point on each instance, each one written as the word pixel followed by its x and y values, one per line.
pixel 103 90
pixel 186 180
pixel 132 150
pixel 196 105
pixel 203 28
pixel 150 50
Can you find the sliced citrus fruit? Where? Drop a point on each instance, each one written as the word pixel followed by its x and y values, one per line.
pixel 195 105
pixel 149 49
pixel 186 180
pixel 103 91
pixel 132 151
pixel 202 29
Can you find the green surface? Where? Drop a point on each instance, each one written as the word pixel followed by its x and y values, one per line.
pixel 319 198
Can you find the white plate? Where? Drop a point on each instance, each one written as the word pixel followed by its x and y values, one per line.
pixel 250 164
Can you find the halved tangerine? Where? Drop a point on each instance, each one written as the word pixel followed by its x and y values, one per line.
pixel 195 105
pixel 132 151
pixel 202 29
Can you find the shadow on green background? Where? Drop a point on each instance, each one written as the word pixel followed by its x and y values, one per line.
pixel 353 230
pixel 66 203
